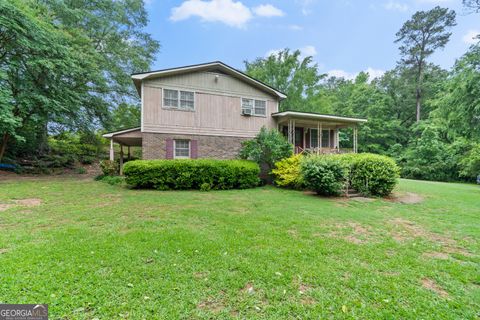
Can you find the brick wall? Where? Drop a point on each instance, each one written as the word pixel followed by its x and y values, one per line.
pixel 154 145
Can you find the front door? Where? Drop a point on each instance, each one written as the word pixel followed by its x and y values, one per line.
pixel 299 138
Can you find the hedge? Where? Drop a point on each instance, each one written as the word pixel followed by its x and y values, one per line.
pixel 372 174
pixel 324 174
pixel 287 172
pixel 200 174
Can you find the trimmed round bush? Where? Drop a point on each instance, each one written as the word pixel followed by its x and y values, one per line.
pixel 287 172
pixel 324 174
pixel 372 174
pixel 199 174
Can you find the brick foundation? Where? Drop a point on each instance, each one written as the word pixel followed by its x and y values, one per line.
pixel 214 147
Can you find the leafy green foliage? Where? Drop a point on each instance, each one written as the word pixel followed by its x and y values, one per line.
pixel 420 36
pixel 111 179
pixel 267 148
pixel 200 174
pixel 324 174
pixel 287 172
pixel 470 163
pixel 286 71
pixel 109 167
pixel 66 64
pixel 371 174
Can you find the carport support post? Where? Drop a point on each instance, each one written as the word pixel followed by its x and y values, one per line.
pixel 121 159
pixel 112 157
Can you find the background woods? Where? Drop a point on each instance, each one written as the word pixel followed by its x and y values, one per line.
pixel 65 77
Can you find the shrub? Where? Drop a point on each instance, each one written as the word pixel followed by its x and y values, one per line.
pixel 288 174
pixel 109 167
pixel 200 174
pixel 324 174
pixel 111 180
pixel 371 174
pixel 267 148
pixel 81 170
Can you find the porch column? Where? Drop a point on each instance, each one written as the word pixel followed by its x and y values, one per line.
pixel 291 131
pixel 319 137
pixel 112 157
pixel 337 139
pixel 121 159
pixel 355 139
pixel 129 154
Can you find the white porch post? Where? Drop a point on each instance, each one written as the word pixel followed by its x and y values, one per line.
pixel 355 139
pixel 121 159
pixel 319 137
pixel 337 139
pixel 111 150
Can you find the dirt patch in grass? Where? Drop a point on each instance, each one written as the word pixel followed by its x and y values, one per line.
pixel 248 288
pixel 361 199
pixel 3 250
pixel 303 288
pixel 405 229
pixel 211 305
pixel 353 232
pixel 406 198
pixel 5 206
pixel 436 255
pixel 31 202
pixel 431 285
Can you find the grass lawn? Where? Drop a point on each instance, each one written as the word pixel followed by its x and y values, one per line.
pixel 91 250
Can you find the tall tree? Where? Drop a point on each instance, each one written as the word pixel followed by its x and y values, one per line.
pixel 420 36
pixel 68 63
pixel 472 5
pixel 288 72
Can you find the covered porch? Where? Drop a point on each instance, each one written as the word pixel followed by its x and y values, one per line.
pixel 317 133
pixel 125 138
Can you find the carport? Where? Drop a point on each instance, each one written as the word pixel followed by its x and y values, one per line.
pixel 128 138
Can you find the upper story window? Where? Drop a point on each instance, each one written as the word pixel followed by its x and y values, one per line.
pixel 254 107
pixel 181 100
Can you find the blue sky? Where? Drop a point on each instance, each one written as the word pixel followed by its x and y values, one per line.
pixel 344 36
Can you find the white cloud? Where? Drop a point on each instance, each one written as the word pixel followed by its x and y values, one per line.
pixel 374 73
pixel 396 6
pixel 267 10
pixel 471 37
pixel 308 51
pixel 305 6
pixel 234 14
pixel 295 27
pixel 274 52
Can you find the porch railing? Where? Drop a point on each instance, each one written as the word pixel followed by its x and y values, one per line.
pixel 322 150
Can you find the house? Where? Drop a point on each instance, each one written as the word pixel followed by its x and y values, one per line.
pixel 208 110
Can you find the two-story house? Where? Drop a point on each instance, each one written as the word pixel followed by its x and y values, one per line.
pixel 207 110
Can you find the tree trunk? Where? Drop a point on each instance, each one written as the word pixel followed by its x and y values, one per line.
pixel 419 102
pixel 3 145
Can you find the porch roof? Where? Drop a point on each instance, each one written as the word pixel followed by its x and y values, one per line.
pixel 317 116
pixel 128 137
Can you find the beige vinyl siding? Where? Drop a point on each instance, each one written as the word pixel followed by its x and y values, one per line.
pixel 216 112
pixel 206 82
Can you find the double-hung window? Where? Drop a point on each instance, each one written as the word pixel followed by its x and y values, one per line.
pixel 254 107
pixel 177 99
pixel 182 149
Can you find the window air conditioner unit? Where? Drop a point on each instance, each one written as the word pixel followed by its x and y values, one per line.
pixel 247 112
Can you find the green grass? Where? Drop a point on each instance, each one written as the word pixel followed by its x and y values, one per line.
pixel 93 250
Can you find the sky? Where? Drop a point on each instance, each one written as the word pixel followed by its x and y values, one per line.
pixel 343 36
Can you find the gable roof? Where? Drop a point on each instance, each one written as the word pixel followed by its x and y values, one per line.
pixel 210 66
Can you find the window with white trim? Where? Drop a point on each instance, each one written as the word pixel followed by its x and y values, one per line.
pixel 181 149
pixel 256 107
pixel 177 99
